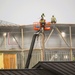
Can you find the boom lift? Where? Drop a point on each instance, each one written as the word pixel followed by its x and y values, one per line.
pixel 40 28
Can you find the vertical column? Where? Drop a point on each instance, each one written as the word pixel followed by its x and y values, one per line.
pixel 4 35
pixel 70 43
pixel 22 52
pixel 43 47
pixel 22 37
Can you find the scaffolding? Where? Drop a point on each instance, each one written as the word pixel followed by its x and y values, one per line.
pixel 56 46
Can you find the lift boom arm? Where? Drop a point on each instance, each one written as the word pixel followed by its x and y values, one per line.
pixel 31 49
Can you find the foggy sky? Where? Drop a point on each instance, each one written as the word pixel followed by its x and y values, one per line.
pixel 29 11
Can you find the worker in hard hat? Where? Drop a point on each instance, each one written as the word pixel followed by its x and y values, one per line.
pixel 42 21
pixel 53 19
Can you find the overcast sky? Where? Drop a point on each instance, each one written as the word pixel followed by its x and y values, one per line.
pixel 29 11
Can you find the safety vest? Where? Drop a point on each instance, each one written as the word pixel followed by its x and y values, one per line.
pixel 53 19
pixel 42 20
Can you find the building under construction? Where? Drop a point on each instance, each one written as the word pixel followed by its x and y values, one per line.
pixel 58 45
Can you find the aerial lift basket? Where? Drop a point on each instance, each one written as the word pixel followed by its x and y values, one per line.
pixel 37 26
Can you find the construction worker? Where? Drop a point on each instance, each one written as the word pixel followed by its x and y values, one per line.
pixel 53 19
pixel 42 21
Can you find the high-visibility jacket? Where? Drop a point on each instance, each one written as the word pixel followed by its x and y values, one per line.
pixel 53 19
pixel 42 20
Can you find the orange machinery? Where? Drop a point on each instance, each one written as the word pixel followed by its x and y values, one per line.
pixel 37 26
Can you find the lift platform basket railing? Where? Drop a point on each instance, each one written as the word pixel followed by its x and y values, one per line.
pixel 37 26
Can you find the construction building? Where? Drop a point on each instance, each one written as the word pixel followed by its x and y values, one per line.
pixel 15 41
